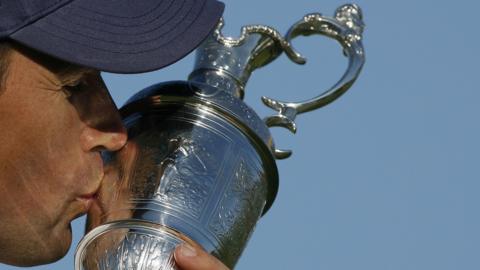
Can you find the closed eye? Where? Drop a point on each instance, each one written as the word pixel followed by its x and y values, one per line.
pixel 74 87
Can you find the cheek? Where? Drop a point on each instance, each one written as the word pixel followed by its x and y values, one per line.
pixel 41 174
pixel 55 156
pixel 41 162
pixel 38 186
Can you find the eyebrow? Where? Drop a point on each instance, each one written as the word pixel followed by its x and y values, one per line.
pixel 72 73
pixel 65 71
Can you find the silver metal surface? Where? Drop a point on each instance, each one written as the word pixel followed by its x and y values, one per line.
pixel 199 166
pixel 190 166
pixel 346 27
pixel 227 63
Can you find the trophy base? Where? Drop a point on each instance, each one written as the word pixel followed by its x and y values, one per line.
pixel 129 244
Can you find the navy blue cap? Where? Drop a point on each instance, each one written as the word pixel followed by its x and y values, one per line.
pixel 121 36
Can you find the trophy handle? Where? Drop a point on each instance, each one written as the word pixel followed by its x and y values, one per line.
pixel 272 45
pixel 346 27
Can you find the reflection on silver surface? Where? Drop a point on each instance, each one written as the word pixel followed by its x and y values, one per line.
pixel 199 166
pixel 185 168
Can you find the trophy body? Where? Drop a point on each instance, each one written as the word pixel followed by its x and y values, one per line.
pixel 191 167
pixel 199 166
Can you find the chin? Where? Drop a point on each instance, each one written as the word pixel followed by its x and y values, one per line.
pixel 60 246
pixel 51 250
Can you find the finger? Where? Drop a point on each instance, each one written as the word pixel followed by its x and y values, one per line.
pixel 191 258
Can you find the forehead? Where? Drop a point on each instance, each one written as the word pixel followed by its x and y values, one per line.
pixel 62 69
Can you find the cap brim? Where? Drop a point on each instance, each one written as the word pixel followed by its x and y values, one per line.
pixel 123 36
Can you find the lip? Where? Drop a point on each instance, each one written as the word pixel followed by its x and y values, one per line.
pixel 87 200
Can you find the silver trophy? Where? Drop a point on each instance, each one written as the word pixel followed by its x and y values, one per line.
pixel 199 166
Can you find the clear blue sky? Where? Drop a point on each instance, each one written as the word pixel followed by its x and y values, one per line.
pixel 387 177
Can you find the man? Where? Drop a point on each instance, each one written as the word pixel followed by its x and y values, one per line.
pixel 56 114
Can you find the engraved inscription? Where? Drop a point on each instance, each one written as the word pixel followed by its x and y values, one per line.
pixel 178 164
pixel 140 252
pixel 240 208
pixel 182 161
pixel 187 175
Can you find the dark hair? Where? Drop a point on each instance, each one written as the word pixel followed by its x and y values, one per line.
pixel 5 49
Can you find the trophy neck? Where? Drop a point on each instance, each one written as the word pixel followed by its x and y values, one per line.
pixel 227 63
pixel 224 66
pixel 220 80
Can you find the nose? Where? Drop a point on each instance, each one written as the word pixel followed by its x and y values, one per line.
pixel 111 139
pixel 103 128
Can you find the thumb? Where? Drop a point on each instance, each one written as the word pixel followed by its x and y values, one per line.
pixel 188 257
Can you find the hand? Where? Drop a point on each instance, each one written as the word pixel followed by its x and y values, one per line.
pixel 190 258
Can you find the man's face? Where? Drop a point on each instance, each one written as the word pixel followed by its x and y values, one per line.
pixel 54 120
